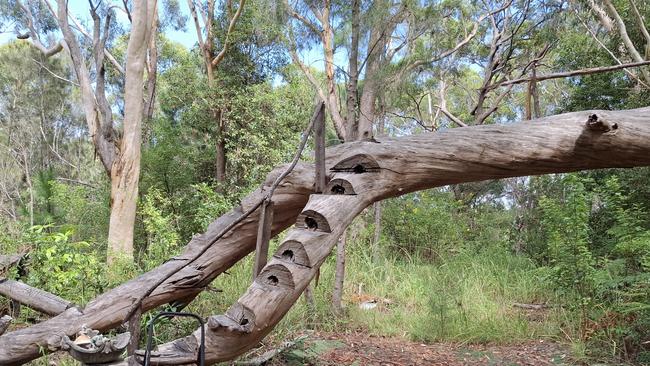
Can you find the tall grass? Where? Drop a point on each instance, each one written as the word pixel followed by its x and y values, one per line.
pixel 466 296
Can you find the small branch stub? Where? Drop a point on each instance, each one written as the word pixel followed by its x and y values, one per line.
pixel 595 123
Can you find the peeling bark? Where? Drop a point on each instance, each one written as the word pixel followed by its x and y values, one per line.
pixel 391 167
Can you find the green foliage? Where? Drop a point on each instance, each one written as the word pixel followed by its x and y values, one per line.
pixel 431 223
pixel 427 224
pixel 81 210
pixel 162 237
pixel 604 277
pixel 64 267
pixel 566 223
pixel 210 204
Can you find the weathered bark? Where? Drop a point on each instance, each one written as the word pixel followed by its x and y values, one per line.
pixel 102 137
pixel 333 102
pixel 376 61
pixel 263 237
pixel 110 309
pixel 152 68
pixel 392 167
pixel 121 159
pixel 319 147
pixel 5 321
pixel 125 171
pixel 377 232
pixel 339 274
pixel 498 151
pixel 8 261
pixel 34 298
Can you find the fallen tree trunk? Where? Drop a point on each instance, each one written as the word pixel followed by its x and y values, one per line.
pixel 364 172
pixel 34 298
pixel 370 172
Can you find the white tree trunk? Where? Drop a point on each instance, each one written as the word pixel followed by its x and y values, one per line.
pixel 125 172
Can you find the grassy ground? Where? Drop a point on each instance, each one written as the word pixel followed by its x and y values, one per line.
pixel 466 296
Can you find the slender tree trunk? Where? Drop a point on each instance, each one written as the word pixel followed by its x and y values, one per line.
pixel 622 31
pixel 152 69
pixel 337 294
pixel 30 186
pixel 327 37
pixel 351 120
pixel 217 113
pixel 220 162
pixel 377 235
pixel 352 134
pixel 377 205
pixel 367 105
pixel 311 304
pixel 532 97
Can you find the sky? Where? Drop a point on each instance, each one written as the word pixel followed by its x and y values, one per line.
pixel 81 11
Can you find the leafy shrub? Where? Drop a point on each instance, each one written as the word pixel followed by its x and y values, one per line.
pixel 67 268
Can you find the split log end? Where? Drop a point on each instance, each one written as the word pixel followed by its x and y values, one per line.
pixel 226 323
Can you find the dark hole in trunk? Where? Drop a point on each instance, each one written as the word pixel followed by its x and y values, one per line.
pixel 272 280
pixel 288 255
pixel 311 223
pixel 244 321
pixel 358 169
pixel 338 189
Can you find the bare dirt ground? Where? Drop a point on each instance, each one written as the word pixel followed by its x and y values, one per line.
pixel 322 349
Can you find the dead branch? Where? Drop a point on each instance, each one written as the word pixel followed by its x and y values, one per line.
pixel 9 260
pixel 589 71
pixel 37 299
pixel 530 306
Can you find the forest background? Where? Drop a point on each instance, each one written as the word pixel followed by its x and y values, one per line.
pixel 452 261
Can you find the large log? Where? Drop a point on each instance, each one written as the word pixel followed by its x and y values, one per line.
pixel 34 298
pixel 375 170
